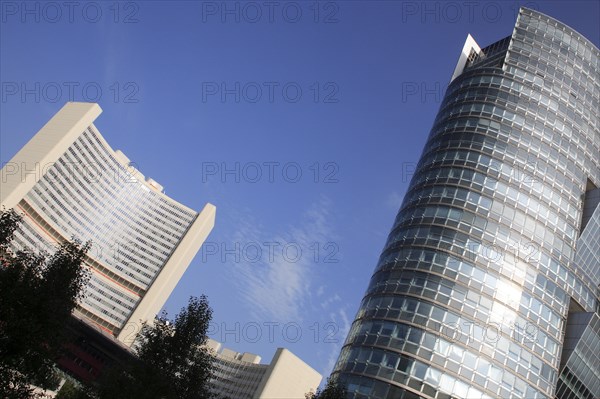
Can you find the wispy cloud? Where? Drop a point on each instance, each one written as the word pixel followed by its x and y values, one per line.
pixel 278 287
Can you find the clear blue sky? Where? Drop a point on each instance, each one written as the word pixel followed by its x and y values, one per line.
pixel 342 92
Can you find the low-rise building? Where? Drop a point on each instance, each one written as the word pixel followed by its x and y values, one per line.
pixel 242 376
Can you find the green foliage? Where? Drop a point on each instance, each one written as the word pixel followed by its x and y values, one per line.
pixel 72 390
pixel 38 292
pixel 9 222
pixel 172 362
pixel 13 384
pixel 332 390
pixel 37 295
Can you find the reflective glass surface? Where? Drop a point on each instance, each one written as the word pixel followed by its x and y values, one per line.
pixel 471 294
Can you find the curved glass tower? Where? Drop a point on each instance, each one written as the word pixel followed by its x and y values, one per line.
pixel 488 283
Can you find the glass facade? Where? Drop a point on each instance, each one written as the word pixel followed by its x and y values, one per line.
pixel 482 270
pixel 580 361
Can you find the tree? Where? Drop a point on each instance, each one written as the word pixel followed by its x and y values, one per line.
pixel 73 390
pixel 172 360
pixel 37 295
pixel 9 222
pixel 333 390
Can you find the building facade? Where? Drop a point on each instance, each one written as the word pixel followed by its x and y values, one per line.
pixel 242 376
pixel 488 284
pixel 68 182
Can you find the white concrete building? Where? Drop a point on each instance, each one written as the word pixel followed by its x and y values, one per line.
pixel 68 182
pixel 242 376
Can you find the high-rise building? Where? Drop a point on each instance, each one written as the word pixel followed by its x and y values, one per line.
pixel 242 376
pixel 488 284
pixel 68 182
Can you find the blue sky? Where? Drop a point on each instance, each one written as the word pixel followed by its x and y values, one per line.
pixel 301 121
